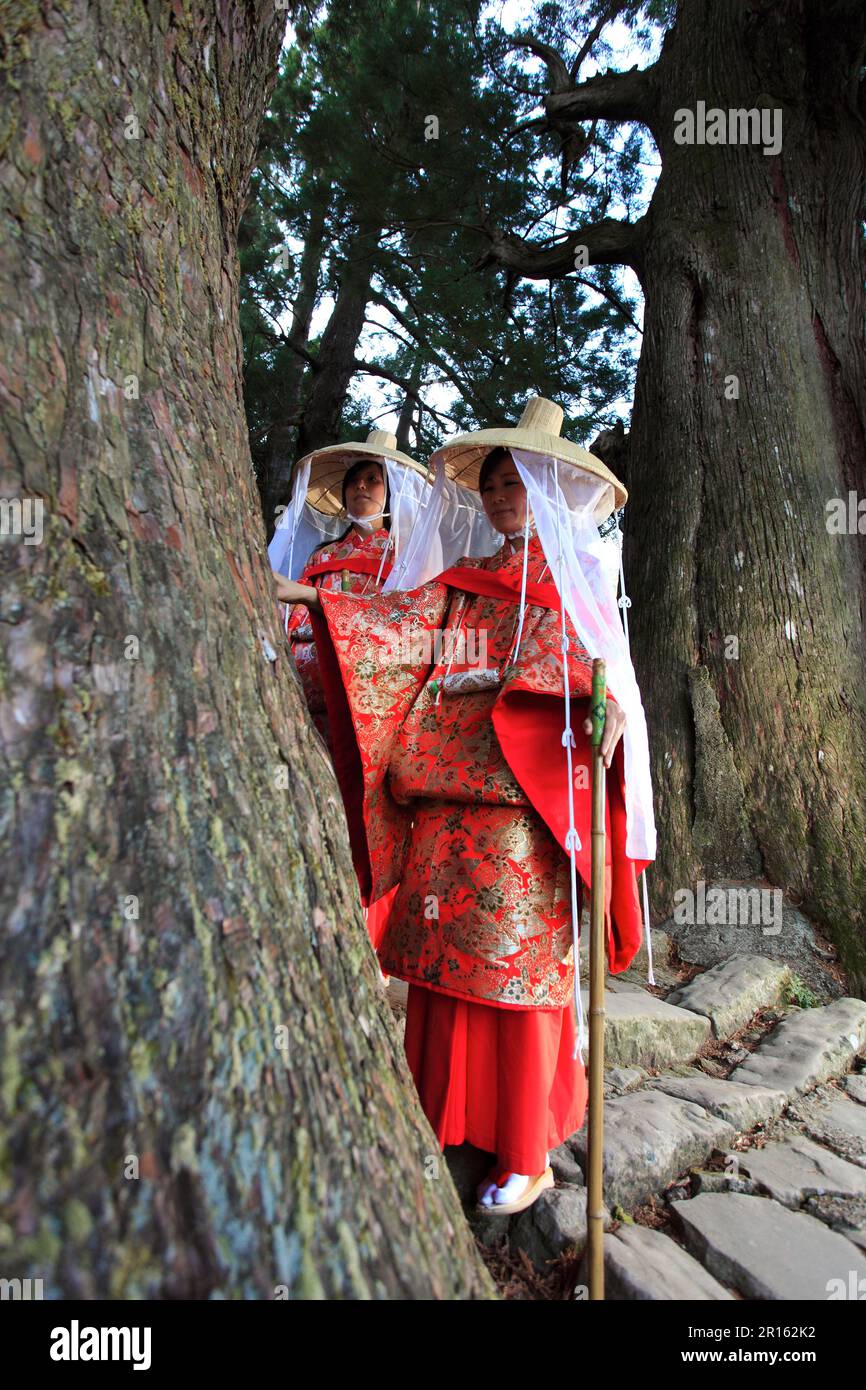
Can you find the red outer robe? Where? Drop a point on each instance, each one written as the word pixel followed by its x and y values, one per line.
pixel 468 796
pixel 351 565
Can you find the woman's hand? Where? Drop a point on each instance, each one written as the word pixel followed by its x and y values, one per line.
pixel 614 723
pixel 289 591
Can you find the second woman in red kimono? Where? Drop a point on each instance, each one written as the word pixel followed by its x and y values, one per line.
pixel 353 478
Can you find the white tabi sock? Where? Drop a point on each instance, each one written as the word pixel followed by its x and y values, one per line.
pixel 514 1187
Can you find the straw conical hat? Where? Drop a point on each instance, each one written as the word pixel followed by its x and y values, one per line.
pixel 328 467
pixel 538 433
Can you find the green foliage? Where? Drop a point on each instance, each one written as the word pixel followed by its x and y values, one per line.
pixel 797 992
pixel 351 114
pixel 620 1214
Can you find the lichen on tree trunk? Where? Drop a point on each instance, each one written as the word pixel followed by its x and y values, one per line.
pixel 203 1093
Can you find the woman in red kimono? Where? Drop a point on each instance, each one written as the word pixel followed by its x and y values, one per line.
pixel 358 561
pixel 462 767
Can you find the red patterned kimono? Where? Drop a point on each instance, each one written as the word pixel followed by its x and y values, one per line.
pixel 464 806
pixel 353 565
pixel 349 566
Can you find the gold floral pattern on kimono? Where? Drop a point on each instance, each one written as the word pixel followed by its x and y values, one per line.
pixel 484 907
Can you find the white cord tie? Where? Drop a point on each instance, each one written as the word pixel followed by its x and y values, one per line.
pixel 513 659
pixel 572 840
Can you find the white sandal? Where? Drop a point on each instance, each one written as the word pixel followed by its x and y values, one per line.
pixel 533 1191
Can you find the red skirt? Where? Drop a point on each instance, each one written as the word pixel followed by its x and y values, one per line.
pixel 500 1079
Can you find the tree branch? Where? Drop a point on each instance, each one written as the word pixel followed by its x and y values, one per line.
pixel 560 78
pixel 374 369
pixel 609 15
pixel 607 242
pixel 613 299
pixel 611 96
pixel 465 388
pixel 308 357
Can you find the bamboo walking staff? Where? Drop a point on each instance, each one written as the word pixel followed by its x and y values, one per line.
pixel 595 1123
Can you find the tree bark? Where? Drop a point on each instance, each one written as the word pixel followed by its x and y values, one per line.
pixel 409 408
pixel 203 1090
pixel 275 485
pixel 320 424
pixel 749 418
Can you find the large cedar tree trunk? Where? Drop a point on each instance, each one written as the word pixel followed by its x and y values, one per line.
pixel 203 1091
pixel 748 624
pixel 749 418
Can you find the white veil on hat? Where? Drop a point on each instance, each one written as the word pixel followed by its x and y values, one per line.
pixel 314 513
pixel 300 529
pixel 564 506
pixel 451 524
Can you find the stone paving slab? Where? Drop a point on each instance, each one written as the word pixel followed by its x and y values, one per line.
pixel 835 1120
pixel 729 994
pixel 649 1138
pixel 717 1180
pixel 766 1251
pixel 644 1031
pixel 618 1081
pixel 806 1048
pixel 744 1107
pixel 566 1168
pixel 553 1224
pixel 847 1215
pixel 855 1085
pixel 641 1264
pixel 795 1168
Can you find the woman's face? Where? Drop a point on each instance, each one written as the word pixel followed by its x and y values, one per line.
pixel 365 492
pixel 503 497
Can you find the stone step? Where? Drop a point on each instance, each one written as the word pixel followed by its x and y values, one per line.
pixel 855 1085
pixel 768 1252
pixel 644 1031
pixel 830 1117
pixel 791 940
pixel 794 1168
pixel 729 994
pixel 641 1264
pixel 806 1048
pixel 552 1225
pixel 744 1107
pixel 847 1215
pixel 649 1139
